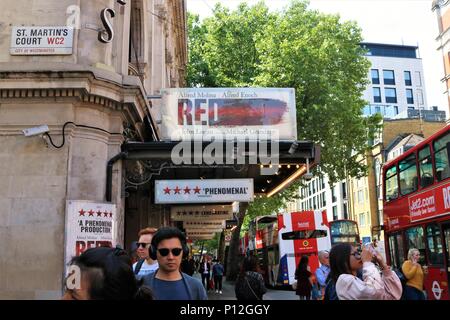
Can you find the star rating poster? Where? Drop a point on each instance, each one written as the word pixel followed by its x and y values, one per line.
pixel 88 225
pixel 203 191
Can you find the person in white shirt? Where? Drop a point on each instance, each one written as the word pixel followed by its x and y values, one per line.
pixel 145 265
pixel 346 260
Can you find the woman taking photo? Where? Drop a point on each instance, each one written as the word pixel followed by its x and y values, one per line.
pixel 414 273
pixel 346 260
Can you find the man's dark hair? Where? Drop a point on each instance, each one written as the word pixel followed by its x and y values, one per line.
pixel 165 233
pixel 340 260
pixel 108 272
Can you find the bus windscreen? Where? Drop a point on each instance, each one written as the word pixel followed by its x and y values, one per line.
pixel 307 234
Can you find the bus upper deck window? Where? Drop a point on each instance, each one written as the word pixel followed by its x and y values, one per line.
pixel 408 174
pixel 441 157
pixel 425 167
pixel 391 184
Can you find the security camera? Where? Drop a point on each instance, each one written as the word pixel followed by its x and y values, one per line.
pixel 35 131
pixel 308 176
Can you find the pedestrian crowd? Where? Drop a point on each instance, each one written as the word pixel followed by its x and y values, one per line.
pixel 160 268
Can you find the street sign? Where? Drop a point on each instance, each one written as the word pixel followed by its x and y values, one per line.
pixel 42 40
pixel 230 223
pixel 203 191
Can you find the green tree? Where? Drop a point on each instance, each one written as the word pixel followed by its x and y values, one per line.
pixel 317 54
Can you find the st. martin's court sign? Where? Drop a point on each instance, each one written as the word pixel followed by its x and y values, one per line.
pixel 41 41
pixel 204 191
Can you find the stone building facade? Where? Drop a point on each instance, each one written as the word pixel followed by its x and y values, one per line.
pixel 102 94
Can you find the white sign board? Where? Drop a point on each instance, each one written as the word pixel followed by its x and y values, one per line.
pixel 204 224
pixel 203 191
pixel 242 113
pixel 206 230
pixel 88 225
pixel 41 41
pixel 201 213
pixel 199 234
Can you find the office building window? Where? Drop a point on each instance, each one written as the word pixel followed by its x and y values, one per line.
pixel 409 96
pixel 391 95
pixel 344 190
pixel 333 195
pixel 388 77
pixel 345 210
pixel 375 76
pixel 418 79
pixel 408 81
pixel 376 94
pixel 396 110
pixel 335 214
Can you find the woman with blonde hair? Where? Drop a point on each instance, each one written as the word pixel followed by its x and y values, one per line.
pixel 414 274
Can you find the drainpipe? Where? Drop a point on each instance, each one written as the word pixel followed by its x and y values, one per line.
pixel 109 172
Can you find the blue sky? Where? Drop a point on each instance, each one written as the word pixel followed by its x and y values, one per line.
pixel 409 22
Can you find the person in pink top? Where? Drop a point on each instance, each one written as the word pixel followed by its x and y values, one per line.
pixel 378 282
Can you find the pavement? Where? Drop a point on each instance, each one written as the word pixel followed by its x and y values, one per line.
pixel 228 292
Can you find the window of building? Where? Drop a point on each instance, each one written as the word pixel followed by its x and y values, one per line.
pixel 344 190
pixel 415 239
pixel 345 210
pixel 333 195
pixel 435 251
pixel 375 76
pixel 360 196
pixel 425 167
pixel 409 96
pixel 377 109
pixel 391 184
pixel 376 94
pixel 408 175
pixel 391 95
pixel 388 77
pixel 408 81
pixel 335 213
pixel 441 157
pixel 418 79
pixel 362 219
pixel 396 110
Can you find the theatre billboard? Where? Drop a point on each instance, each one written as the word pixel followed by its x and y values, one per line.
pixel 203 191
pixel 231 113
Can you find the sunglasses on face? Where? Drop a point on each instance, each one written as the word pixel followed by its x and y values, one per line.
pixel 142 244
pixel 356 254
pixel 175 251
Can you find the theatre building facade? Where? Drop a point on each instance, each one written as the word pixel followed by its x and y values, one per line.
pixel 77 79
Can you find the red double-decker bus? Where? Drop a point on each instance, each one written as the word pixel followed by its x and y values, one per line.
pixel 417 210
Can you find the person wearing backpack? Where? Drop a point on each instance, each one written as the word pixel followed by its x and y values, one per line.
pixel 145 265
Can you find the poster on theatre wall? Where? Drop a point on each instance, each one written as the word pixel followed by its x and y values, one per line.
pixel 88 225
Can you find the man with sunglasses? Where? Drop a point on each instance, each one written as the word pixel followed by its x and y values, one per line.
pixel 168 282
pixel 145 264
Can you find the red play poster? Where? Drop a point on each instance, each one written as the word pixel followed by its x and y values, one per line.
pixel 88 225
